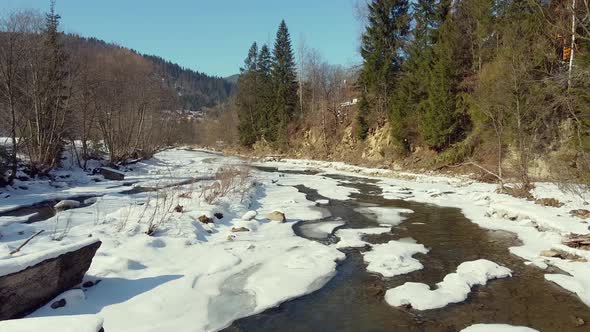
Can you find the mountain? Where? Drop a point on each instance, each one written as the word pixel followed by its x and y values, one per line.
pixel 233 78
pixel 195 89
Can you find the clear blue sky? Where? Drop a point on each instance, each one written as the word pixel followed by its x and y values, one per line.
pixel 212 36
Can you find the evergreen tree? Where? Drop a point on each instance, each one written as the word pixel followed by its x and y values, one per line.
pixel 285 83
pixel 439 122
pixel 247 100
pixel 411 89
pixel 381 48
pixel 265 95
pixel 362 125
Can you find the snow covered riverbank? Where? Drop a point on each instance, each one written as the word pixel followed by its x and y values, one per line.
pixel 540 228
pixel 195 276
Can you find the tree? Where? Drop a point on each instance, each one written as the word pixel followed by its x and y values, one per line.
pixel 265 96
pixel 285 81
pixel 362 126
pixel 381 49
pixel 247 98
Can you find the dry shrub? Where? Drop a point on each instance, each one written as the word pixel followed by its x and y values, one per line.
pixel 228 180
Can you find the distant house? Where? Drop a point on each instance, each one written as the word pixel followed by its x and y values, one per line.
pixel 352 102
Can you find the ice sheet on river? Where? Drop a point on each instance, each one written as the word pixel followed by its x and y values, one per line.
pixel 394 257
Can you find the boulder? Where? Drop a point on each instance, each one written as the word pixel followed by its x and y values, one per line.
pixel 276 216
pixel 205 219
pixel 239 229
pixel 249 215
pixel 66 204
pixel 112 174
pixel 25 290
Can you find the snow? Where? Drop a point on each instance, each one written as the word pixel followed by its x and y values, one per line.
pixel 187 274
pixel 385 215
pixel 537 227
pixel 81 323
pixel 66 204
pixel 249 215
pixel 497 328
pixel 352 237
pixel 454 288
pixel 394 257
pixel 19 263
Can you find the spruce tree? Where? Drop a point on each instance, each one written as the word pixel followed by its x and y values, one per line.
pixel 440 121
pixel 266 94
pixel 411 89
pixel 381 48
pixel 246 99
pixel 362 125
pixel 285 81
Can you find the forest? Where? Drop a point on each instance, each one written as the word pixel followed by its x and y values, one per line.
pixel 115 103
pixel 500 87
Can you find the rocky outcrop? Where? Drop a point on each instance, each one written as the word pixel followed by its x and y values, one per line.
pixel 25 291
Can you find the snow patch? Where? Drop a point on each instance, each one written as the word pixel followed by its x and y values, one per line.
pixel 497 328
pixel 454 288
pixel 394 258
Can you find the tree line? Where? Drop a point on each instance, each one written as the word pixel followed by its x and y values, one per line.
pixel 494 84
pixel 58 90
pixel 504 78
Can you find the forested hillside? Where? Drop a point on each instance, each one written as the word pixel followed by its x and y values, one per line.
pixel 497 87
pixel 56 89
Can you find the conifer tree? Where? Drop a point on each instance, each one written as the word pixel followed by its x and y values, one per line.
pixel 411 90
pixel 381 49
pixel 265 95
pixel 246 99
pixel 285 83
pixel 362 125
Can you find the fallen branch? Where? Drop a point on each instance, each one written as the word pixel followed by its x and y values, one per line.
pixel 27 241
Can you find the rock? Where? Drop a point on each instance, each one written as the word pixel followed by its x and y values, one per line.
pixel 218 215
pixel 88 284
pixel 205 220
pixel 59 304
pixel 112 174
pixel 580 213
pixel 239 229
pixel 550 253
pixel 577 321
pixel 231 237
pixel 376 290
pixel 276 216
pixel 25 291
pixel 549 202
pixel 178 208
pixel 66 204
pixel 249 215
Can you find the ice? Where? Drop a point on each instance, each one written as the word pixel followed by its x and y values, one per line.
pixel 81 323
pixel 352 238
pixel 454 288
pixel 385 215
pixel 320 229
pixel 497 328
pixel 394 258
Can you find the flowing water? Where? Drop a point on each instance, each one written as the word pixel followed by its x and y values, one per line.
pixel 353 299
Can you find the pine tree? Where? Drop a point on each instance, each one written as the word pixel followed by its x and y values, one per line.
pixel 381 48
pixel 285 81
